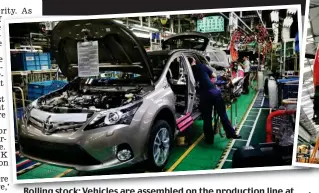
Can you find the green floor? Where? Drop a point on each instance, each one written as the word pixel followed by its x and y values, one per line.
pixel 201 157
pixel 253 131
pixel 207 157
pixel 44 171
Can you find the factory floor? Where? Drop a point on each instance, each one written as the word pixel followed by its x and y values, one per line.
pixel 252 113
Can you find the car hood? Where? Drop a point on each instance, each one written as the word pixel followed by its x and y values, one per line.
pixel 185 41
pixel 118 47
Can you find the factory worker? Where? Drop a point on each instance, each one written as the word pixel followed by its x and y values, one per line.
pixel 211 96
pixel 246 66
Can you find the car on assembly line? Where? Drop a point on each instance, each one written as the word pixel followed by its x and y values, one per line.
pixel 201 42
pixel 204 43
pixel 96 123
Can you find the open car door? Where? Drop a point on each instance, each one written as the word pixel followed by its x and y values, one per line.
pixel 191 114
pixel 191 85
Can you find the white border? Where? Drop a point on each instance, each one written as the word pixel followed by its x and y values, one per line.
pixel 304 44
pixel 302 61
pixel 122 176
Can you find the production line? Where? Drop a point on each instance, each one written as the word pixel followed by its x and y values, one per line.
pixel 136 107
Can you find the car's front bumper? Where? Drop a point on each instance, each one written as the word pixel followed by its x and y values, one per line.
pixel 107 165
pixel 82 150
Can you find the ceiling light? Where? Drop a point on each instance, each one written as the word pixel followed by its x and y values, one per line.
pixel 288 22
pixel 292 11
pixel 274 16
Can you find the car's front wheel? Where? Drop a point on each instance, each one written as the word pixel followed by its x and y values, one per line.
pixel 159 145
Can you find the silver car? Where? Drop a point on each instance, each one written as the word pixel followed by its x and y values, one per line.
pixel 104 122
pixel 201 42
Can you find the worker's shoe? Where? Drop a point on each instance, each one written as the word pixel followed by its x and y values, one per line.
pixel 209 141
pixel 234 136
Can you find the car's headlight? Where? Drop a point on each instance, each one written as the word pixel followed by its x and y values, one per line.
pixel 31 106
pixel 34 104
pixel 112 117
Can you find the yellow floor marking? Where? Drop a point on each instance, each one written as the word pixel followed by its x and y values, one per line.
pixel 185 154
pixel 180 159
pixel 28 169
pixel 64 173
pixel 223 159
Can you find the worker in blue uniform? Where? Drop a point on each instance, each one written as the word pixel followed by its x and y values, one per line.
pixel 211 96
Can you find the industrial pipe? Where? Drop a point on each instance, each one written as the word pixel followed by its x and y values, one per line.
pixel 22 95
pixel 269 122
pixel 261 20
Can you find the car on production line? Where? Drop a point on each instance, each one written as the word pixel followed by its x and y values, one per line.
pixel 204 43
pixel 99 122
pixel 201 42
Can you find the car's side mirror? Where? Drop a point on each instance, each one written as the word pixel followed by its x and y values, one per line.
pixel 208 58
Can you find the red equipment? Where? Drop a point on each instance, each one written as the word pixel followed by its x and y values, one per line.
pixel 184 122
pixel 269 131
pixel 316 69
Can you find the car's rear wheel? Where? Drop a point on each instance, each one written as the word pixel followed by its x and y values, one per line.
pixel 159 145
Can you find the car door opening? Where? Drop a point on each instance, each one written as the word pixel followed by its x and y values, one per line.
pixel 177 78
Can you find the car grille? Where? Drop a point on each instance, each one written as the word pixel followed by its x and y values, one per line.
pixel 61 127
pixel 56 152
pixel 35 123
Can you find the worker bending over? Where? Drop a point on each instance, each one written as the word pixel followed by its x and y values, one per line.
pixel 211 96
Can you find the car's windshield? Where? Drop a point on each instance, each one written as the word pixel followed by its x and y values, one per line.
pixel 187 42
